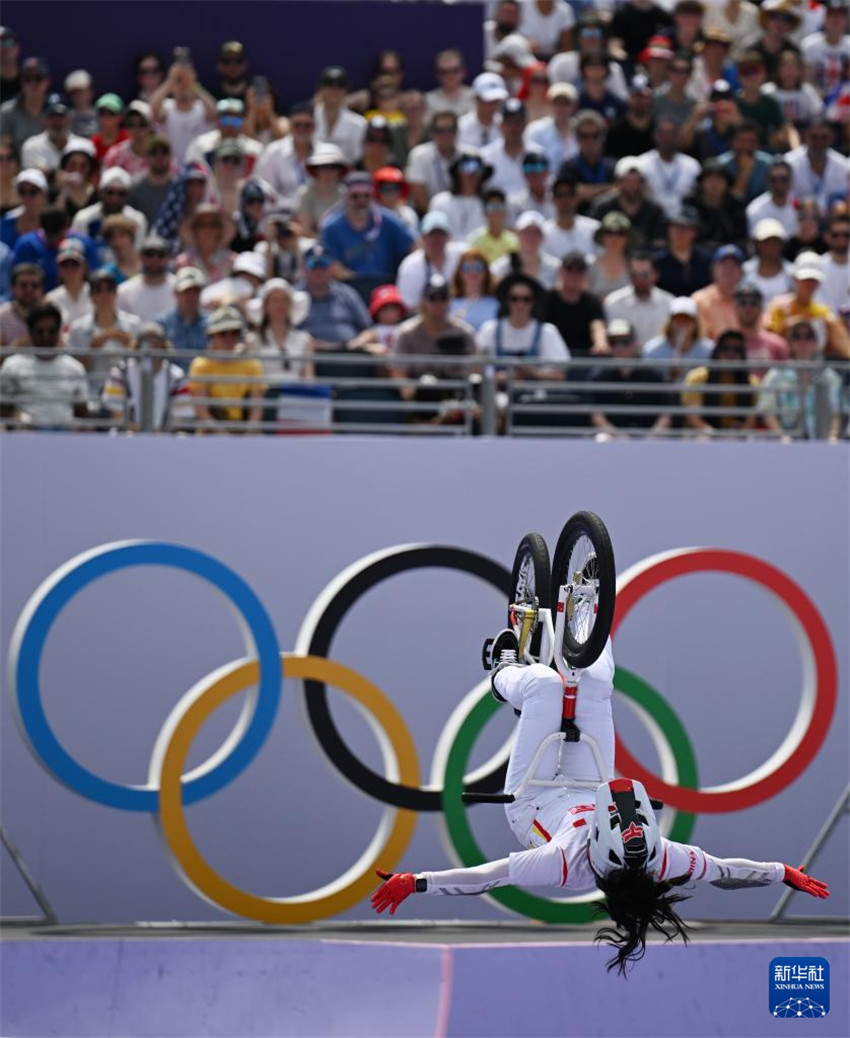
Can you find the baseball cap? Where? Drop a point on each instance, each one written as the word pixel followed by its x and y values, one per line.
pixel 141 108
pixel 153 243
pixel 435 221
pixel 334 75
pixel 489 86
pixel 720 90
pixel 657 47
pixel 79 79
pixel 727 252
pixel 436 286
pixel 619 328
pixel 55 104
pixel 71 248
pixel 110 103
pixel 116 176
pixel 640 85
pixel 230 106
pixel 574 261
pixel 358 178
pixel 37 65
pixel 33 177
pixel 252 263
pixel 807 266
pixel 714 34
pixel 231 49
pixel 513 108
pixel 80 146
pixel 627 164
pixel 317 257
pixel 224 319
pixel 229 149
pixel 566 90
pixel 326 155
pixel 687 216
pixel 516 49
pixel 530 218
pixel 683 305
pixel 749 290
pixel 384 295
pixel 104 274
pixel 769 228
pixel 189 277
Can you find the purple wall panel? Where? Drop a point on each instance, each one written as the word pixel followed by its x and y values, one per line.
pixel 287 42
pixel 176 986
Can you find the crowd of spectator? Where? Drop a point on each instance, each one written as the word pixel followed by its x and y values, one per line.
pixel 628 197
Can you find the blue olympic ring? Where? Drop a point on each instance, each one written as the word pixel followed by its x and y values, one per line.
pixel 34 626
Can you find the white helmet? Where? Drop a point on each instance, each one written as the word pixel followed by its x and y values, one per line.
pixel 625 833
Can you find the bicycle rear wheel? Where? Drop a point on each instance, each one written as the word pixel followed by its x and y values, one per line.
pixel 531 578
pixel 584 558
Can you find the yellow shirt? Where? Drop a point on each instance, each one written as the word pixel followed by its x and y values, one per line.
pixel 736 397
pixel 831 334
pixel 494 248
pixel 230 368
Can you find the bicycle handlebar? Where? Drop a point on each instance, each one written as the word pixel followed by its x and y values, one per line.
pixel 487 798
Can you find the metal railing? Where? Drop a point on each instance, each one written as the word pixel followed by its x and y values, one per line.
pixel 458 396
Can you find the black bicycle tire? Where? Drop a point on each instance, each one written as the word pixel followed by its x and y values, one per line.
pixel 578 654
pixel 533 544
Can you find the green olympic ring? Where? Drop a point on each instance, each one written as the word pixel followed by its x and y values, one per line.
pixel 579 909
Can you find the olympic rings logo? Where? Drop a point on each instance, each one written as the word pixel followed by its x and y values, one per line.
pixel 169 791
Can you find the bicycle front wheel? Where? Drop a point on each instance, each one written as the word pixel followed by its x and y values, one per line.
pixel 531 578
pixel 584 558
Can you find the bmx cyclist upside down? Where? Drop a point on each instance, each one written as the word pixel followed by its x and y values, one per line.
pixel 574 839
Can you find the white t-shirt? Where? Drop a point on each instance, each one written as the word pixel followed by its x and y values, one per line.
pixel 799 106
pixel 147 301
pixel 669 182
pixel 647 317
pixel 72 309
pixel 507 170
pixel 579 238
pixel 559 148
pixel 280 167
pixel 425 165
pixel 566 68
pixel 771 287
pixel 763 208
pixel 828 188
pixel 519 341
pixel 277 361
pixel 473 134
pixel 436 101
pixel 48 388
pixel 180 127
pixel 543 31
pixel 347 135
pixel 835 287
pixel 466 214
pixel 202 147
pixel 39 151
pixel 415 270
pixel 825 60
pixel 547 275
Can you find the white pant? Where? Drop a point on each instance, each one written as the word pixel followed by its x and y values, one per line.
pixel 538 692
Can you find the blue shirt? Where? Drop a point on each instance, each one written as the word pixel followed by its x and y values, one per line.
pixel 757 181
pixel 183 335
pixel 376 251
pixel 337 317
pixel 9 228
pixel 33 248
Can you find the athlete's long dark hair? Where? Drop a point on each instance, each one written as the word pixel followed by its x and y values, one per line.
pixel 635 901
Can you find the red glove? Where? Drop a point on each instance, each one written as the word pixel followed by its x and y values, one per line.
pixel 798 880
pixel 393 891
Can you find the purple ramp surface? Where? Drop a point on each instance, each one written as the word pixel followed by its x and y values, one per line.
pixel 704 989
pixel 178 987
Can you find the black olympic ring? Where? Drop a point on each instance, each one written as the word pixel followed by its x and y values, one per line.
pixel 318 712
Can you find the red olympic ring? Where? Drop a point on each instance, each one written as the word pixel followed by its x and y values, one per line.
pixel 640 581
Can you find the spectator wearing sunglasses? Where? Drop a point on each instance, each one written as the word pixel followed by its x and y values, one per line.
pixel 530 258
pixel 72 295
pixel 337 313
pixel 151 292
pixel 232 68
pixel 21 117
pixel 183 109
pixel 391 191
pixel 336 124
pixel 436 255
pixel 763 347
pixel 451 93
pixel 44 150
pixel 114 190
pixel 506 155
pixel 464 204
pixel 494 239
pixel 283 163
pixel 149 74
pixel 777 202
pixel 621 381
pixel 148 191
pixel 27 293
pixel 131 154
pixel 31 188
pixel 835 287
pixel 10 68
pixel 568 231
pixel 110 114
pixel 554 133
pixel 473 299
pixel 105 327
pixel 364 238
pixel 535 197
pixel 790 397
pixel 230 128
pixel 76 175
pixel 42 246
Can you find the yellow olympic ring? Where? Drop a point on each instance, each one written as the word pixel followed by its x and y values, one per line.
pixel 386 847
